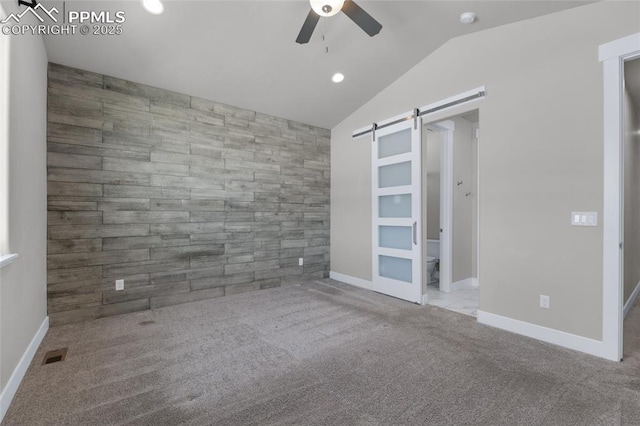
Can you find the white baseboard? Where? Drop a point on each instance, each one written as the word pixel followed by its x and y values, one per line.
pixel 632 299
pixel 348 279
pixel 549 335
pixel 11 388
pixel 465 284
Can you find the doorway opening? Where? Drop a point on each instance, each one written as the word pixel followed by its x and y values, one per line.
pixel 616 56
pixel 631 205
pixel 450 213
pixel 4 143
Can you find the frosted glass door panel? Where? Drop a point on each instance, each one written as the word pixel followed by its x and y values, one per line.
pixel 395 268
pixel 396 237
pixel 394 144
pixel 398 205
pixel 398 174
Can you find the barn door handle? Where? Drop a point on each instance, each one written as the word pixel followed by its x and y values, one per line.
pixel 415 233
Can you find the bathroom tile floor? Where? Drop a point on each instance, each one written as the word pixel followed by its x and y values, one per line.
pixel 464 301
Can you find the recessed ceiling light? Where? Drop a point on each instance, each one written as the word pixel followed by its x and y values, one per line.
pixel 468 18
pixel 337 77
pixel 153 6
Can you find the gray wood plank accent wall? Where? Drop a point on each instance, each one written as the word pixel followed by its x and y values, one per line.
pixel 183 198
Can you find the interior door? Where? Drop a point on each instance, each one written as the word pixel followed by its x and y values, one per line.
pixel 396 185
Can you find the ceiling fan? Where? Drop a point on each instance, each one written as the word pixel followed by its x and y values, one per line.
pixel 326 8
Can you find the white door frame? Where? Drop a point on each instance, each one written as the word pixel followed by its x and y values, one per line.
pixel 477 207
pixel 613 55
pixel 446 129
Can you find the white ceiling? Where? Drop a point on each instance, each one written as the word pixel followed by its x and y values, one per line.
pixel 244 53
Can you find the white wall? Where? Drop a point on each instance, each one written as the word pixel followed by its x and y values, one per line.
pixel 541 156
pixel 631 194
pixel 23 283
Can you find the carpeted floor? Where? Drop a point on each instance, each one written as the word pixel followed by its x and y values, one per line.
pixel 320 353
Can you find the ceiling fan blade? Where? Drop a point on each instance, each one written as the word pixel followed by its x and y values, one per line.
pixel 308 27
pixel 361 18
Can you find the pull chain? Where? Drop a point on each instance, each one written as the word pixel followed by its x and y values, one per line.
pixel 323 27
pixel 326 47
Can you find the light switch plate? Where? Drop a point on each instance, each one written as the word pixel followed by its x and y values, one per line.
pixel 584 218
pixel 119 285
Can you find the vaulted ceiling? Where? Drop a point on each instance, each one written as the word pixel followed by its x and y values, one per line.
pixel 244 53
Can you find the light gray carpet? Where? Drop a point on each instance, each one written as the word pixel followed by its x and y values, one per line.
pixel 320 353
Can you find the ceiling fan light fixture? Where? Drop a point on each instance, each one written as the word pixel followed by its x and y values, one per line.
pixel 326 7
pixel 153 6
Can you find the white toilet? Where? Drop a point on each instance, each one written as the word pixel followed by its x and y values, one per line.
pixel 433 256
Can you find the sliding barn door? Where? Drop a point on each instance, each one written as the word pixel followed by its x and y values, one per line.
pixel 396 184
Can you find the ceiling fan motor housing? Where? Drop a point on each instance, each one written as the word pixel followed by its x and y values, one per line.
pixel 326 7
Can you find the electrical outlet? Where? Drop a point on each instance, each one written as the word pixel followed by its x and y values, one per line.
pixel 300 261
pixel 544 301
pixel 119 285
